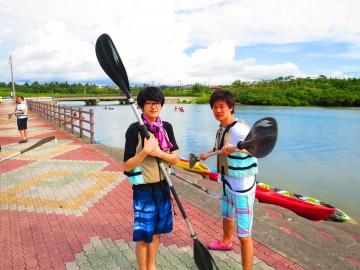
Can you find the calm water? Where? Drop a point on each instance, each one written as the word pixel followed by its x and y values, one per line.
pixel 317 152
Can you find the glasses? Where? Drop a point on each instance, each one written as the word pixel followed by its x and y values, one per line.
pixel 149 104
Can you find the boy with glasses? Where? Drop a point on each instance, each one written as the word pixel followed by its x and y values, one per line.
pixel 151 194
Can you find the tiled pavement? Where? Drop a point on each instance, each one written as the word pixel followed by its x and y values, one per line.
pixel 66 205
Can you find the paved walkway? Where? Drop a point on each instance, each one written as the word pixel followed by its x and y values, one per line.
pixel 66 205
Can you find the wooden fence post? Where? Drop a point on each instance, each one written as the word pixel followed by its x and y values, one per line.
pixel 81 122
pixel 92 124
pixel 72 120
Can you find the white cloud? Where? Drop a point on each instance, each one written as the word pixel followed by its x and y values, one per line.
pixel 337 74
pixel 53 52
pixel 54 40
pixel 274 22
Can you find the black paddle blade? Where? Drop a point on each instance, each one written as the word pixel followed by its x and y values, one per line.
pixel 192 160
pixel 202 257
pixel 39 143
pixel 110 61
pixel 262 138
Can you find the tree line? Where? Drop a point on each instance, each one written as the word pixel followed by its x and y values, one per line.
pixel 291 91
pixel 283 91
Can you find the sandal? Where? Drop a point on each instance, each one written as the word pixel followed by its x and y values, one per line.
pixel 219 246
pixel 22 141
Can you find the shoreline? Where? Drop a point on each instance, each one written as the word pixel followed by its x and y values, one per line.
pixel 116 153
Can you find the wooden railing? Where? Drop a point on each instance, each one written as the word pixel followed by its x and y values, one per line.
pixel 72 119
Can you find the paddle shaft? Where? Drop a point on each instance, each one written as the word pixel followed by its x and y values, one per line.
pixel 193 159
pixel 218 152
pixel 240 145
pixel 13 155
pixel 39 143
pixel 216 196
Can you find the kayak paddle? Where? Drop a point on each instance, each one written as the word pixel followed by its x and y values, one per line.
pixel 259 142
pixel 110 61
pixel 39 143
pixel 216 196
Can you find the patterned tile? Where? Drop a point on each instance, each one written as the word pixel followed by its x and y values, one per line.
pixel 68 186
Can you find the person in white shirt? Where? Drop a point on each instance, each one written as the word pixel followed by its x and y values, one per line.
pixel 237 170
pixel 21 113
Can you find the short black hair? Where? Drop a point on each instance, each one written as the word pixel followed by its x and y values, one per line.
pixel 150 94
pixel 225 95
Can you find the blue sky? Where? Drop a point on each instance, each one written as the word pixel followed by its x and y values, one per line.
pixel 163 41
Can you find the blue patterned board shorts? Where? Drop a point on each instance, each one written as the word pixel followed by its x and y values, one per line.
pixel 241 206
pixel 152 214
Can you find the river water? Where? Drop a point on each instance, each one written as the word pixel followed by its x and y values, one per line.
pixel 317 153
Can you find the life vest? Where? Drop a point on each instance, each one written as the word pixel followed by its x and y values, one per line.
pixel 148 171
pixel 237 164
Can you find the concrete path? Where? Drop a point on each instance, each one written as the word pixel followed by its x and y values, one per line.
pixel 66 205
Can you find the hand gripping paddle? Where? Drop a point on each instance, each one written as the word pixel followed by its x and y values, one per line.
pixel 259 142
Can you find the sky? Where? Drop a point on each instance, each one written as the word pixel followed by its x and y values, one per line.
pixel 181 42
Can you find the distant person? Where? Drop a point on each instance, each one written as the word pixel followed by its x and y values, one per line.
pixel 21 113
pixel 237 170
pixel 106 107
pixel 152 203
pixel 76 115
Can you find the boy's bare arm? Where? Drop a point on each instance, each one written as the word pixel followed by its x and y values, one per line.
pixel 149 145
pixel 226 152
pixel 170 158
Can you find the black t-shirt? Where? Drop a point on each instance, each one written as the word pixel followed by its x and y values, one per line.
pixel 131 138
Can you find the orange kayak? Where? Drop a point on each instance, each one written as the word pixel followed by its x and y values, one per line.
pixel 199 168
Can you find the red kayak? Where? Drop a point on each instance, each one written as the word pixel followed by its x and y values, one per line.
pixel 301 208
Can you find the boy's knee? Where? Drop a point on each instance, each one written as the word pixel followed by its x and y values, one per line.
pixel 245 240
